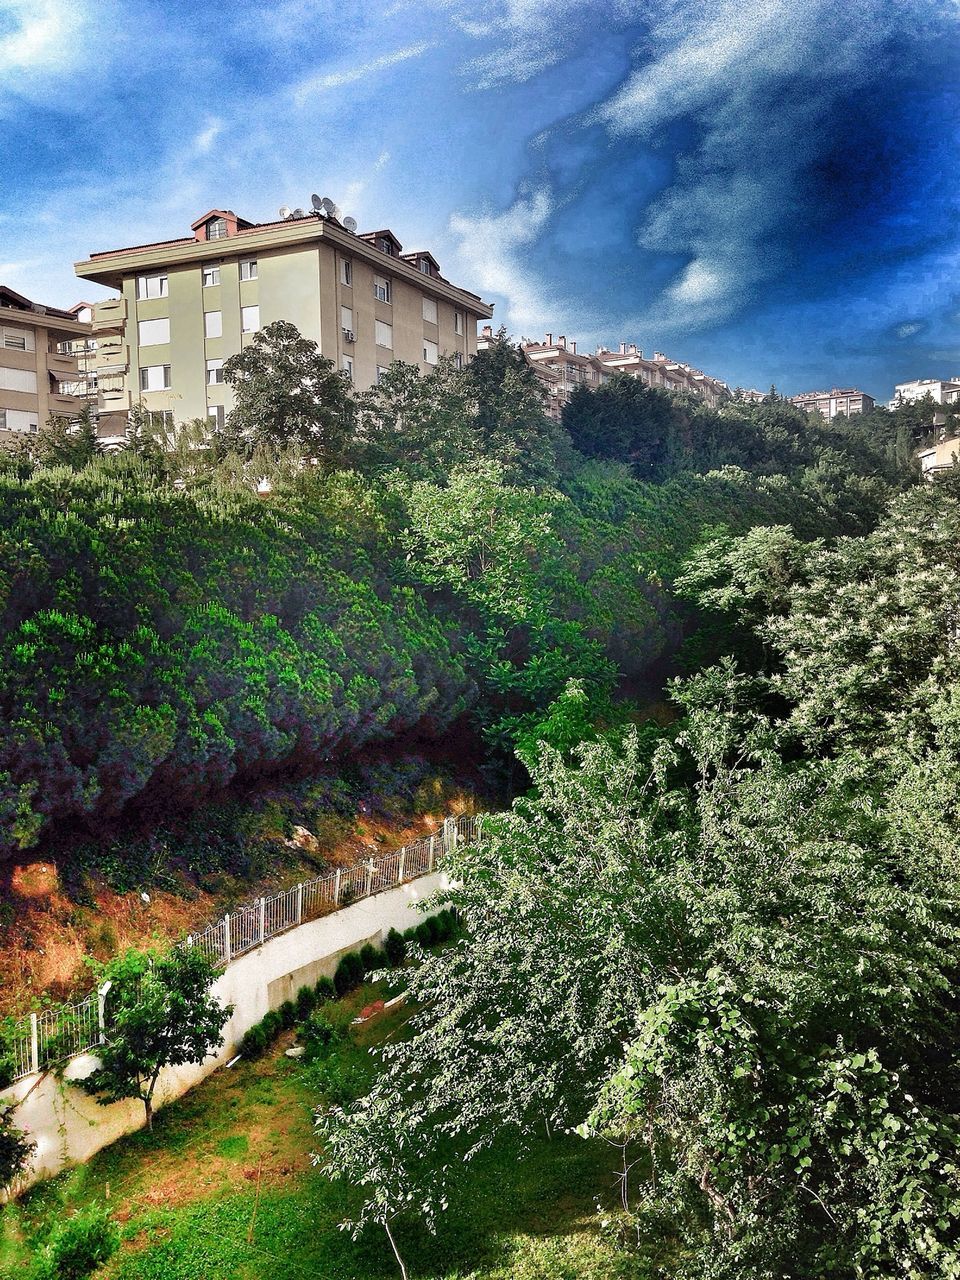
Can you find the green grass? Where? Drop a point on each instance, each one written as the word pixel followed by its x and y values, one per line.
pixel 186 1194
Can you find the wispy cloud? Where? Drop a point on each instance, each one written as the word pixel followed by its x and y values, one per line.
pixel 306 89
pixel 40 34
pixel 208 135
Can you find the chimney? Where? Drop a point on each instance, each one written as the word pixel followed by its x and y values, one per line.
pixel 659 357
pixel 549 337
pixel 633 348
pixel 488 330
pixel 574 347
pixel 623 348
pixel 562 342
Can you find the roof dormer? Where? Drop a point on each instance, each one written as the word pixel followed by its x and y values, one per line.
pixel 424 262
pixel 385 241
pixel 218 224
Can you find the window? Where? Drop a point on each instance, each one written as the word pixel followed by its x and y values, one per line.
pixel 348 366
pixel 216 415
pixel 346 322
pixel 430 310
pixel 382 371
pixel 155 377
pixel 18 420
pixel 458 322
pixel 385 245
pixel 152 286
pixel 384 334
pixel 249 319
pixel 346 272
pixel 381 289
pixel 211 274
pixel 425 267
pixel 213 324
pixel 248 269
pixel 18 380
pixel 20 340
pixel 3 419
pixel 214 372
pixel 430 352
pixel 217 229
pixel 152 332
pixel 458 359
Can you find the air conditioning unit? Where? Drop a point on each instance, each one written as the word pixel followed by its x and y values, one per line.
pixel 348 335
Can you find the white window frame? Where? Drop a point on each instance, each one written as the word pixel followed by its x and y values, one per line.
pixel 428 345
pixel 430 304
pixel 145 379
pixel 383 334
pixel 213 328
pixel 346 320
pixel 382 289
pixel 211 274
pixel 346 272
pixel 458 322
pixel 16 339
pixel 382 371
pixel 216 414
pixel 156 286
pixel 217 229
pixel 249 269
pixel 425 268
pixel 346 364
pixel 245 316
pixel 158 323
pixel 215 367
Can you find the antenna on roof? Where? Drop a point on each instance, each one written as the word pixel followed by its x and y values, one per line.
pixel 284 211
pixel 350 224
pixel 298 213
pixel 317 203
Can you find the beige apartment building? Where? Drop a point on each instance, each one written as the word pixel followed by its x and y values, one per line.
pixel 845 400
pixel 186 305
pixel 560 369
pixel 39 372
pixel 942 390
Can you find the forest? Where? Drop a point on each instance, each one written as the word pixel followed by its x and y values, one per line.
pixel 720 937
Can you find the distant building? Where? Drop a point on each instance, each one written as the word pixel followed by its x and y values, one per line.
pixel 187 305
pixel 841 400
pixel 749 395
pixel 561 369
pixel 39 372
pixel 941 390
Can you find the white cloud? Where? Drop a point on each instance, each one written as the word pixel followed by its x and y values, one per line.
pixel 907 330
pixel 350 75
pixel 208 135
pixel 39 34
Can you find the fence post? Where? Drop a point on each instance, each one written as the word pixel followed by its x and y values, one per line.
pixel 369 877
pixel 449 834
pixel 430 863
pixel 226 938
pixel 403 856
pixel 102 993
pixel 263 917
pixel 300 903
pixel 34 1044
pixel 336 888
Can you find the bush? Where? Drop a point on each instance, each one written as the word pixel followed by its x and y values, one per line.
pixel 394 948
pixel 349 973
pixel 306 1001
pixel 424 934
pixel 287 1013
pixel 77 1246
pixel 272 1026
pixel 410 935
pixel 319 1035
pixel 253 1042
pixel 372 958
pixel 15 1147
pixel 324 990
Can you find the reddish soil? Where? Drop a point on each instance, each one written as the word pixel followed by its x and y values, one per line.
pixel 46 939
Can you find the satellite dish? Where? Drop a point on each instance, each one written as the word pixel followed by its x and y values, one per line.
pixel 298 213
pixel 327 205
pixel 284 211
pixel 316 202
pixel 351 225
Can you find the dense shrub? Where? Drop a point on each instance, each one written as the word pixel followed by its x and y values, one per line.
pixel 78 1245
pixel 324 990
pixel 394 948
pixel 372 958
pixel 287 1014
pixel 254 1041
pixel 306 1000
pixel 349 973
pixel 15 1147
pixel 319 1034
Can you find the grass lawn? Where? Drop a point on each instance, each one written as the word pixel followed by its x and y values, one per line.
pixel 186 1195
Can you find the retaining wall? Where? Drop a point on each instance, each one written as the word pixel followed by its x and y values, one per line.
pixel 68 1126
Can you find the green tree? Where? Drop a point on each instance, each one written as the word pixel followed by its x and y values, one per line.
pixel 15 1147
pixel 161 1014
pixel 285 392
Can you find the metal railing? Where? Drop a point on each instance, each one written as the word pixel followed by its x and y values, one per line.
pixel 43 1039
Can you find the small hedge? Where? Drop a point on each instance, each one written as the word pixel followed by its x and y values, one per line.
pixel 77 1246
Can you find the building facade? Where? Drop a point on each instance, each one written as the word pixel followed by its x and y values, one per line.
pixel 943 391
pixel 840 400
pixel 39 371
pixel 185 306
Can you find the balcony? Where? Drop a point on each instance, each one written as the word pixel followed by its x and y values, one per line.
pixel 62 405
pixel 62 365
pixel 111 313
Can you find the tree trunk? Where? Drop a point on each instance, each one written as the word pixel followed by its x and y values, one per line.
pixel 396 1251
pixel 148 1108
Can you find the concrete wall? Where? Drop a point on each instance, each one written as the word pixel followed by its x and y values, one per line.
pixel 69 1127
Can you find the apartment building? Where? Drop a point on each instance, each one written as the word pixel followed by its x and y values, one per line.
pixel 39 372
pixel 186 305
pixel 845 400
pixel 560 369
pixel 943 391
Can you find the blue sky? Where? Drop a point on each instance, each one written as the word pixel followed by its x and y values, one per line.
pixel 765 188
